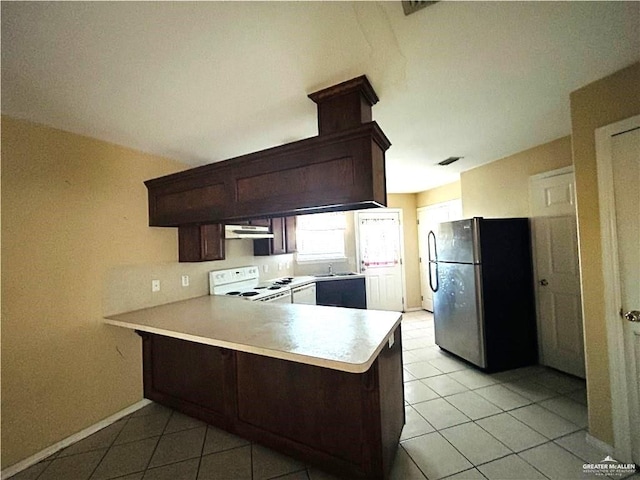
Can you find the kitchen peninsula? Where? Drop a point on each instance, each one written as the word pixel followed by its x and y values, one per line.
pixel 322 384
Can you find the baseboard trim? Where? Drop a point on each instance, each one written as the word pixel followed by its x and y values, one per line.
pixel 604 447
pixel 33 459
pixel 413 309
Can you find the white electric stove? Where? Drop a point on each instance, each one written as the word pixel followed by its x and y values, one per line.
pixel 244 282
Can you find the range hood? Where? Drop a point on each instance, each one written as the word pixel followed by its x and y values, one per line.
pixel 246 231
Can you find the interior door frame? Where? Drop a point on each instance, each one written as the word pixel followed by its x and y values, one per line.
pixel 612 298
pixel 534 254
pixel 403 278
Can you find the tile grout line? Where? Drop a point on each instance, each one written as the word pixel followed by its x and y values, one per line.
pixel 475 465
pixel 204 442
pixel 251 458
pixel 124 424
pixel 530 377
pixel 47 467
pixel 502 411
pixel 88 451
pixel 464 471
pixel 155 448
pixel 412 460
pixel 513 452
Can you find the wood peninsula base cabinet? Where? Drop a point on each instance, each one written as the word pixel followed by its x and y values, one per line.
pixel 347 423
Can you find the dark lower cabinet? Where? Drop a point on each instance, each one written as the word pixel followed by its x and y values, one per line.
pixel 349 292
pixel 176 372
pixel 342 422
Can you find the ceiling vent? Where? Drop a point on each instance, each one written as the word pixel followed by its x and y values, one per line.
pixel 449 161
pixel 412 6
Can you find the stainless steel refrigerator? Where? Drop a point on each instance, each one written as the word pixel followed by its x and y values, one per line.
pixel 481 273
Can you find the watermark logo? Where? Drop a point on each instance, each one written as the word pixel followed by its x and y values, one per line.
pixel 610 467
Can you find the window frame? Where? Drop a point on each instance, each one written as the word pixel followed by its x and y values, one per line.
pixel 303 258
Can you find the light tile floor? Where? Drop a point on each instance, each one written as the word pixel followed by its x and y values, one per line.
pixel 528 423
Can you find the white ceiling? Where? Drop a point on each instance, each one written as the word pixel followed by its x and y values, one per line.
pixel 206 81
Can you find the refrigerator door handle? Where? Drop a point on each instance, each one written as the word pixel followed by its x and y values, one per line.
pixel 434 261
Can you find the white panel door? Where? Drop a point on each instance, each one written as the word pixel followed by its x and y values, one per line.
pixel 553 193
pixel 626 178
pixel 557 272
pixel 379 254
pixel 558 294
pixel 619 174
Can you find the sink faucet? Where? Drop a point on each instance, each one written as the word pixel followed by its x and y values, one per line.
pixel 330 269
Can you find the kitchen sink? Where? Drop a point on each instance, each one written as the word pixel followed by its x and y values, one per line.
pixel 325 275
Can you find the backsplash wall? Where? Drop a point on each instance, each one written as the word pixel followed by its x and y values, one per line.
pixel 128 287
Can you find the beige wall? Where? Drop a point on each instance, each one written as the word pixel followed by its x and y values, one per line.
pixel 444 193
pixel 501 188
pixel 71 208
pixel 76 245
pixel 601 103
pixel 407 203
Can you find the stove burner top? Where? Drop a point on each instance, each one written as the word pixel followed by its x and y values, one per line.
pixel 275 287
pixel 284 281
pixel 249 294
pixel 232 293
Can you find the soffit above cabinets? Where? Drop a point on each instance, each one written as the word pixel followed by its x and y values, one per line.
pixel 343 168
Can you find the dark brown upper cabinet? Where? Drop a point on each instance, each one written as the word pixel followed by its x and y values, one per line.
pixel 291 243
pixel 343 168
pixel 201 243
pixel 283 241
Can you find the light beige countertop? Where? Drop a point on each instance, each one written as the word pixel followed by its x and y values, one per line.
pixel 338 338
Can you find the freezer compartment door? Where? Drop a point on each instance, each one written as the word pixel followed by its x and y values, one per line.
pixel 459 325
pixel 458 241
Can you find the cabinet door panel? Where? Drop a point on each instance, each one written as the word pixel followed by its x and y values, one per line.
pixel 345 169
pixel 277 245
pixel 291 399
pixel 201 243
pixel 204 385
pixel 350 293
pixel 290 234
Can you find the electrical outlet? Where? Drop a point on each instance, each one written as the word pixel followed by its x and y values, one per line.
pixel 265 268
pixel 185 280
pixel 280 266
pixel 155 285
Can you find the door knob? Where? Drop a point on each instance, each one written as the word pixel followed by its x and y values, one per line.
pixel 632 316
pixel 543 282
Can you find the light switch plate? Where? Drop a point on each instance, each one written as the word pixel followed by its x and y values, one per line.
pixel 185 280
pixel 155 285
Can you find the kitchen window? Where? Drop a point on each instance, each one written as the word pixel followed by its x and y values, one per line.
pixel 320 237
